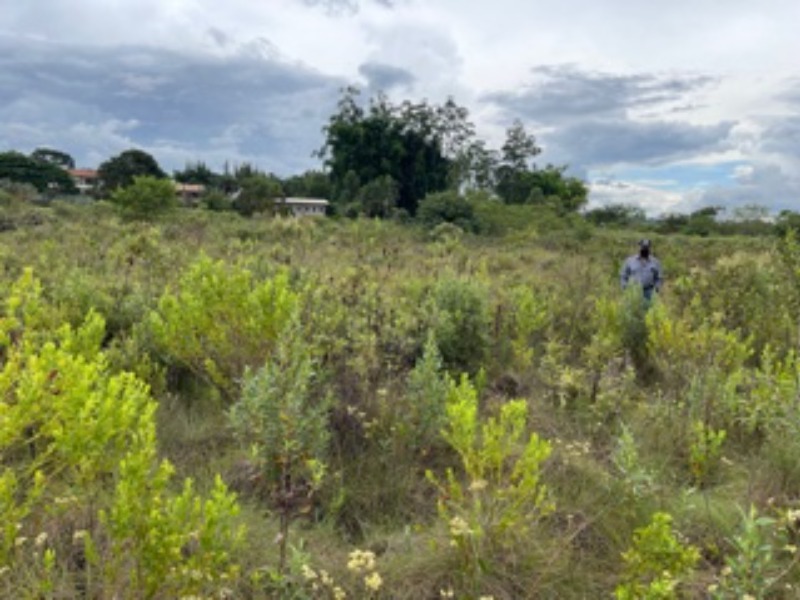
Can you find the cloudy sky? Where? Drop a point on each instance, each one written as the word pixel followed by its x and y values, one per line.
pixel 670 106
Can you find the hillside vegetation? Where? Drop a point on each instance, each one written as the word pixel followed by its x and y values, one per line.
pixel 209 406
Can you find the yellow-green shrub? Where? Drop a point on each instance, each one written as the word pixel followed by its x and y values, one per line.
pixel 70 430
pixel 221 320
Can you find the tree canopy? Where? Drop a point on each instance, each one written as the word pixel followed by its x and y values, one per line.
pixel 54 157
pixel 43 175
pixel 121 170
pixel 402 142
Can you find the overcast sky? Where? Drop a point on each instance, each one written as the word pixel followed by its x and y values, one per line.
pixel 671 106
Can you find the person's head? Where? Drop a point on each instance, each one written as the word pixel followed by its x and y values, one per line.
pixel 644 248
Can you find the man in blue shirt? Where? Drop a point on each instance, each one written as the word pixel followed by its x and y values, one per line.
pixel 642 269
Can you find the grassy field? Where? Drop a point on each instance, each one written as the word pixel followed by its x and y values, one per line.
pixel 370 410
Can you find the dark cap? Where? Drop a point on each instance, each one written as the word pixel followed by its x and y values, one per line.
pixel 644 244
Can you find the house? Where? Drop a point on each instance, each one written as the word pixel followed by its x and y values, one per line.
pixel 86 180
pixel 305 207
pixel 190 193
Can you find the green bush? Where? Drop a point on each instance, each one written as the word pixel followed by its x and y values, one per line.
pixel 221 320
pixel 461 323
pixel 146 198
pixel 447 207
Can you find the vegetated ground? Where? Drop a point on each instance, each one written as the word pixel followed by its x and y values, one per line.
pixel 688 408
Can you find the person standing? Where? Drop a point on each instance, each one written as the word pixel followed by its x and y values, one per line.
pixel 643 269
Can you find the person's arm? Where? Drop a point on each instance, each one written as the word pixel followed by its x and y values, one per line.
pixel 658 278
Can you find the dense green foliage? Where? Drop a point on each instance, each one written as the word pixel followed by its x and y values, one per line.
pixel 120 171
pixel 387 141
pixel 43 175
pixel 216 406
pixel 145 198
pixel 54 157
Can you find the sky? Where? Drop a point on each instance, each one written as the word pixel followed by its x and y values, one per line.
pixel 667 106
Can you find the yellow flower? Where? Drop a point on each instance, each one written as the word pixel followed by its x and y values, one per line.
pixel 477 485
pixel 459 527
pixel 338 593
pixel 326 579
pixel 448 593
pixel 360 561
pixel 373 581
pixel 308 573
pixel 78 535
pixel 41 539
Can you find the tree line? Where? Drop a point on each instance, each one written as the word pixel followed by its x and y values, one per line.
pixel 386 160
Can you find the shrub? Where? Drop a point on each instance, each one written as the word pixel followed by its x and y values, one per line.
pixel 221 321
pixel 656 563
pixel 462 324
pixel 447 207
pixel 146 198
pixel 504 495
pixel 70 430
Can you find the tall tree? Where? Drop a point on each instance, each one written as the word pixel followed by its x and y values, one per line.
pixel 197 173
pixel 45 177
pixel 403 142
pixel 54 157
pixel 120 170
pixel 519 147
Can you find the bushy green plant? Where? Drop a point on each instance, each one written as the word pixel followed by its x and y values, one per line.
pixel 69 430
pixel 222 320
pixel 146 198
pixel 502 495
pixel 680 349
pixel 705 451
pixel 426 395
pixel 461 323
pixel 627 459
pixel 284 420
pixel 447 207
pixel 656 563
pixel 761 558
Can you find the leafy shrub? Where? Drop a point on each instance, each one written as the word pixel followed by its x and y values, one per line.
pixel 70 430
pixel 146 198
pixel 284 419
pixel 656 563
pixel 504 496
pixel 447 207
pixel 220 321
pixel 461 323
pixel 424 408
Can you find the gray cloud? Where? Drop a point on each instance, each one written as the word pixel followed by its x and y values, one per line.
pixel 614 141
pixel 384 77
pixel 764 185
pixel 589 119
pixel 564 93
pixel 247 106
pixel 782 136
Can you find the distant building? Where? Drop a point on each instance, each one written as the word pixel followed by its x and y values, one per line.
pixel 190 193
pixel 304 207
pixel 86 180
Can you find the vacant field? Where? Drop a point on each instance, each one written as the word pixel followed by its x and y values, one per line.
pixel 218 407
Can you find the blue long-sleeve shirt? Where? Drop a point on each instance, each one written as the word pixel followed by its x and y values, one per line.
pixel 644 271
